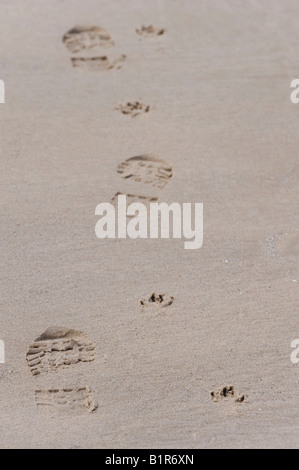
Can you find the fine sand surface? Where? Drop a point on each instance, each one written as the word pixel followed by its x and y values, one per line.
pixel 212 80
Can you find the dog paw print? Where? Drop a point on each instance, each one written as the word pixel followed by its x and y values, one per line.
pixel 133 108
pixel 160 300
pixel 228 393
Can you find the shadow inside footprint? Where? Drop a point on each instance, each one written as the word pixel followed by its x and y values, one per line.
pixel 72 400
pixel 84 37
pixel 150 31
pixel 100 63
pixel 59 347
pixel 85 44
pixel 148 169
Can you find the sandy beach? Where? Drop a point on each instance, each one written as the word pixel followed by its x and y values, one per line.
pixel 123 343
